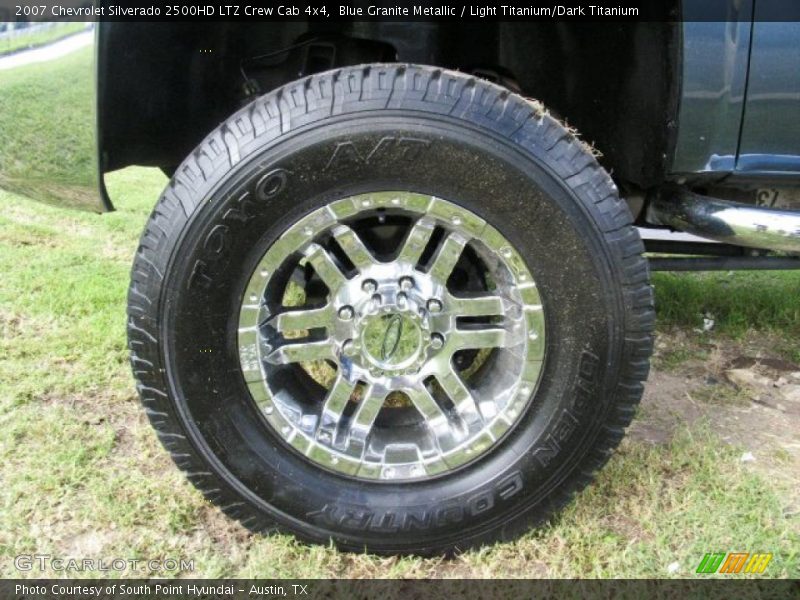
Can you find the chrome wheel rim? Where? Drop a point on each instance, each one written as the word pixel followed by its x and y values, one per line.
pixel 382 346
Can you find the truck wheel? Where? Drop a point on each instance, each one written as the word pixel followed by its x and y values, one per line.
pixel 390 306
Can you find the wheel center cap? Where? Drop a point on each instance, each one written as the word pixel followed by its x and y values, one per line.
pixel 391 341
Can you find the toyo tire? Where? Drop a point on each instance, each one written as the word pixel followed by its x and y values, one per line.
pixel 366 152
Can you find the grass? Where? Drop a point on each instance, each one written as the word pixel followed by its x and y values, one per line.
pixel 47 128
pixel 722 394
pixel 26 40
pixel 675 357
pixel 84 475
pixel 737 300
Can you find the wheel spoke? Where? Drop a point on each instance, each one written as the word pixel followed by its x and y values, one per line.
pixel 425 403
pixel 416 241
pixel 302 352
pixel 465 404
pixel 334 404
pixel 368 408
pixel 447 257
pixel 354 248
pixel 475 339
pixel 435 418
pixel 294 320
pixel 476 306
pixel 325 267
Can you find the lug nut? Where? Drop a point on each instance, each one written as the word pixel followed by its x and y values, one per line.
pixel 346 313
pixel 348 348
pixel 406 283
pixel 375 303
pixel 369 286
pixel 434 305
pixel 437 341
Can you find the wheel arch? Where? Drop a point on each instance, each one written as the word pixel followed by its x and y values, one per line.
pixel 163 86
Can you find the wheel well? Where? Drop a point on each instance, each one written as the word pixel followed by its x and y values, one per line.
pixel 163 86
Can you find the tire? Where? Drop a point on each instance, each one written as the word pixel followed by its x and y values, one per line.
pixel 345 134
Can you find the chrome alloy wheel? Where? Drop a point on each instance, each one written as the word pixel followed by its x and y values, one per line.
pixel 416 357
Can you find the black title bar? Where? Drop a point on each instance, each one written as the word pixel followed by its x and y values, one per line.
pixel 396 10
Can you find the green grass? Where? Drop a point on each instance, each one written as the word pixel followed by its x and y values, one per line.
pixel 739 301
pixel 47 129
pixel 675 357
pixel 84 475
pixel 26 40
pixel 722 394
